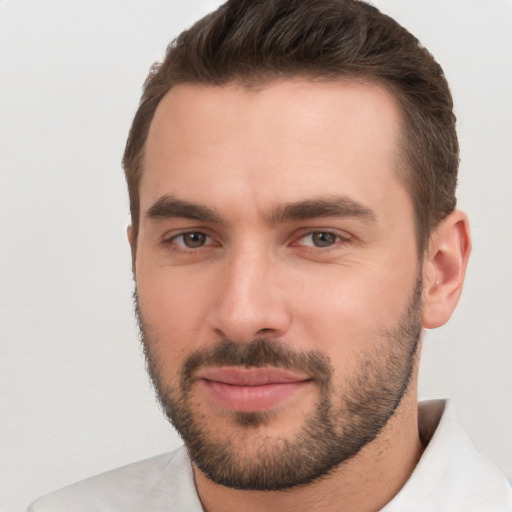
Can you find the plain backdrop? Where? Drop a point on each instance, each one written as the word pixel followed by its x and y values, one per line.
pixel 75 399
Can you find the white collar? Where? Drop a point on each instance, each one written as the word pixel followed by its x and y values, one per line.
pixel 451 475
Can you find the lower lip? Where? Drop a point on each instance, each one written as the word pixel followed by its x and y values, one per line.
pixel 252 398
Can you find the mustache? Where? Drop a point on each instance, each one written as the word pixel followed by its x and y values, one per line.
pixel 260 352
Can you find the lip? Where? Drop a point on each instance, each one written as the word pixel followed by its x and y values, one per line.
pixel 251 376
pixel 251 389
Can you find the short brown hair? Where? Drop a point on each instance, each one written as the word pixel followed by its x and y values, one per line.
pixel 255 41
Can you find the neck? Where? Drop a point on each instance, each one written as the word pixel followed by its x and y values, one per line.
pixel 364 483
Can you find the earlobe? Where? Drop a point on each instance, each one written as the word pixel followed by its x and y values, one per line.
pixel 444 269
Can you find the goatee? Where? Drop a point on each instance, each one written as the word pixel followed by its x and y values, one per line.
pixel 350 411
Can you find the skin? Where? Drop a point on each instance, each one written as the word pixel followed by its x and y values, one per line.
pixel 243 154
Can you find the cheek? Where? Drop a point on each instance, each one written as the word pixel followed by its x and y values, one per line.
pixel 340 321
pixel 349 312
pixel 173 307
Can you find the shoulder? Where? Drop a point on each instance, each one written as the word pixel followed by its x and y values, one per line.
pixel 451 474
pixel 151 484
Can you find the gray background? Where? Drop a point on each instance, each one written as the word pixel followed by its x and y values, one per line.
pixel 75 399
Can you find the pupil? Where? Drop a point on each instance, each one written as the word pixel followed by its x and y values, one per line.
pixel 324 239
pixel 194 239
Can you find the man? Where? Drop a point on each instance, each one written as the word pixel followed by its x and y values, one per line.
pixel 291 171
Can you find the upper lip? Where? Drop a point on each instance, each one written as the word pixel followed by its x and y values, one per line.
pixel 237 376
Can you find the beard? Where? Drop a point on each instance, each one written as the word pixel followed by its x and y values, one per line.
pixel 349 414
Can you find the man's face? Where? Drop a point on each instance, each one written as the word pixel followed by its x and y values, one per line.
pixel 278 283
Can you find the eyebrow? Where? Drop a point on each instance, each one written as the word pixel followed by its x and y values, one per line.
pixel 331 206
pixel 169 206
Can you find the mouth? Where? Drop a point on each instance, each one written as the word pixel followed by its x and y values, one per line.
pixel 251 389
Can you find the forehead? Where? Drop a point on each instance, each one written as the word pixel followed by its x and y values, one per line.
pixel 282 142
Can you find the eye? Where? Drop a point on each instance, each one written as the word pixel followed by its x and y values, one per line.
pixel 191 239
pixel 320 239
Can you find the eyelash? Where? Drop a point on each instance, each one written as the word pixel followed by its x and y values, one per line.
pixel 339 239
pixel 171 241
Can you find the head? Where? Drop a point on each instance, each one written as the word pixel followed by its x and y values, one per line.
pixel 291 172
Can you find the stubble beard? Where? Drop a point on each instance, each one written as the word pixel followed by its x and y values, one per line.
pixel 343 421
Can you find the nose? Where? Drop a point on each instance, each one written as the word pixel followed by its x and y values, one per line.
pixel 251 301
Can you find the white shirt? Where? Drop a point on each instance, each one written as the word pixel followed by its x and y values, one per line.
pixel 450 476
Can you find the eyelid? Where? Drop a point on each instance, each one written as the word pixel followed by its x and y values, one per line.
pixel 182 237
pixel 169 238
pixel 342 235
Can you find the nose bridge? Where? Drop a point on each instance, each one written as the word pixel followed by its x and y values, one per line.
pixel 250 303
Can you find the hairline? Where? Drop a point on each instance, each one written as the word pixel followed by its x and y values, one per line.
pixel 256 82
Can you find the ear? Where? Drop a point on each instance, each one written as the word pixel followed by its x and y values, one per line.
pixel 444 269
pixel 132 239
